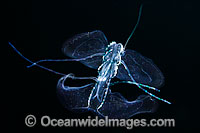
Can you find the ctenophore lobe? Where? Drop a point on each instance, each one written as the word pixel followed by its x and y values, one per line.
pixel 115 105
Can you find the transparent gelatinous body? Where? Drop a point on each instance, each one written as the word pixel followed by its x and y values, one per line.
pixel 126 65
pixel 92 49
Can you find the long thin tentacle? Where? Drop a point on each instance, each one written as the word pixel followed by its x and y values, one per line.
pixel 123 63
pixel 60 60
pixel 138 20
pixel 45 68
pixel 135 83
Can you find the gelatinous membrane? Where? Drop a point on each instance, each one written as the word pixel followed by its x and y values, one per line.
pixel 87 44
pixel 115 105
pixel 141 68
